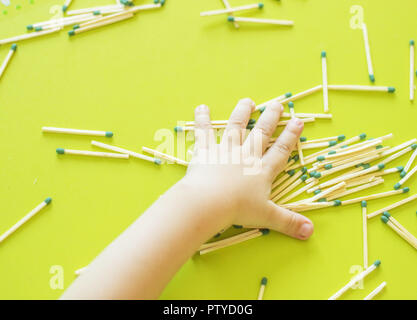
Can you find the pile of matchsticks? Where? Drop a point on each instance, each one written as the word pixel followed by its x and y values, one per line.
pixel 85 19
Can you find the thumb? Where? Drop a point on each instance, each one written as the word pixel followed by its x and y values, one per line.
pixel 288 222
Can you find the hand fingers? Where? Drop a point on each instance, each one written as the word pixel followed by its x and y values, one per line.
pixel 204 135
pixel 259 138
pixel 275 159
pixel 288 222
pixel 236 126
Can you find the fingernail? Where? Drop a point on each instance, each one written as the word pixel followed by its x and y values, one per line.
pixel 306 230
pixel 202 107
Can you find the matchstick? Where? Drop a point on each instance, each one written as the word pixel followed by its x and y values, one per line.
pixel 307 146
pixel 401 227
pixel 360 88
pixel 227 6
pixel 355 279
pixel 403 235
pixel 302 94
pixel 283 186
pixel 392 206
pixel 107 134
pixel 409 163
pixel 101 9
pixel 264 21
pixel 259 5
pixel 305 120
pixel 66 5
pixel 282 179
pixel 28 36
pixel 101 24
pixel 308 115
pixel 290 188
pixel 334 138
pixel 8 58
pixel 25 219
pixel 324 77
pixel 375 291
pixel 262 288
pixel 411 143
pixel 365 234
pixel 357 189
pixel 228 240
pixel 80 271
pixel 412 70
pixel 298 192
pixel 300 151
pixel 58 21
pixel 64 23
pixel 407 176
pixel 252 236
pixel 161 155
pixel 324 193
pixel 368 52
pixel 261 107
pixel 124 151
pixel 92 153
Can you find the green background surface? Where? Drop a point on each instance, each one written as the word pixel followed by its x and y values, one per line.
pixel 142 75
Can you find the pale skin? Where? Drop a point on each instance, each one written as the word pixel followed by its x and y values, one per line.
pixel 210 197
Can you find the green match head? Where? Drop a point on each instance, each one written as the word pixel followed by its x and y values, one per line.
pixel 403 174
pixel 304 169
pixel 178 129
pixel 400 168
pixel 60 150
pixel 328 166
pixel 384 219
pixel 38 29
pixel 341 137
pixel 14 47
pixel 109 134
pixel 217 235
pixel 29 27
pixel 397 186
pixel 264 231
pixel 48 200
pixel 391 89
pixel 250 126
pixel 264 281
pixel 332 152
pixel 377 263
pixel 317 191
pixel 414 146
pixel 288 94
pixel 291 172
pixel 406 189
pixel 364 204
pixel 381 166
pixel 252 121
pixel 296 157
pixel 261 109
pixel 230 19
pixel 380 146
pixel 291 104
pixel 321 158
pixel 97 12
pixel 260 5
pixel 372 78
pixel 64 8
pixel 162 2
pixel 317 175
pixel 386 213
pixel 304 177
pixel 75 27
pixel 312 173
pixel 362 136
pixel 411 42
pixel 155 1
pixel 322 200
pixel 337 203
pixel 236 226
pixel 343 147
pixel 366 165
pixel 303 139
pixel 157 161
pixel 323 54
pixel 71 33
pixel 332 143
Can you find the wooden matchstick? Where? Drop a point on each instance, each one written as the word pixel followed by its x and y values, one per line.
pixel 96 25
pixel 92 153
pixel 234 241
pixel 261 107
pixel 368 53
pixel 101 9
pixel 227 6
pixel 412 70
pixel 228 240
pixel 334 138
pixel 60 21
pixel 305 120
pixel 392 206
pixel 324 77
pixel 165 156
pixel 7 59
pixel 263 21
pixel 124 151
pixel 25 219
pixel 307 146
pixel 400 147
pixel 337 87
pixel 262 288
pixel 288 182
pixel 107 134
pixel 298 192
pixel 407 176
pixel 409 163
pixel 282 179
pixel 66 5
pixel 302 94
pixel 355 279
pixel 324 193
pixel 308 115
pixel 259 5
pixel 29 36
pixel 302 179
pixel 411 241
pixel 365 234
pixel 371 184
pixel 74 19
pixel 401 227
pixel 375 291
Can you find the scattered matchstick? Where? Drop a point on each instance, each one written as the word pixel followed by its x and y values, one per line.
pixel 102 9
pixel 66 5
pixel 7 59
pixel 283 186
pixel 282 179
pixel 393 206
pixel 355 279
pixel 29 36
pixel 339 195
pixel 360 88
pixel 409 163
pixel 334 138
pixel 124 151
pixel 228 240
pixel 375 291
pixel 388 220
pixel 261 107
pixel 368 53
pixel 106 22
pixel 259 5
pixel 324 77
pixel 365 234
pixel 264 21
pixel 302 179
pixel 298 192
pixel 92 153
pixel 411 70
pixel 399 226
pixel 262 288
pixel 59 21
pixel 228 6
pixel 165 156
pixel 308 115
pixel 107 134
pixel 407 176
pixel 25 219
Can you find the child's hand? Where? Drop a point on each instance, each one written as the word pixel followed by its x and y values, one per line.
pixel 233 179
